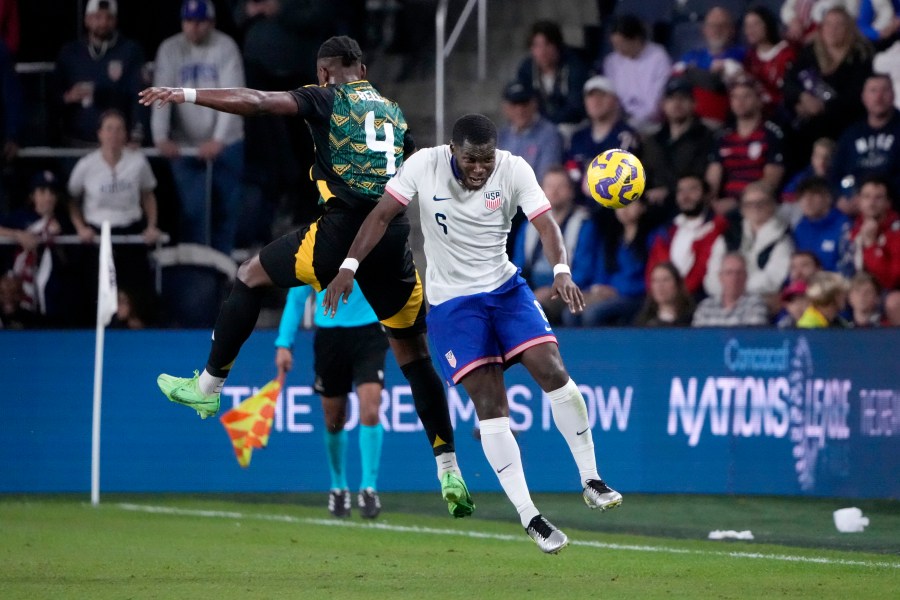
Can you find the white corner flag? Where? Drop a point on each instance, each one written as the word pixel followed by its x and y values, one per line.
pixel 107 291
pixel 107 305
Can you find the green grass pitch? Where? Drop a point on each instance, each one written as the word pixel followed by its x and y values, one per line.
pixel 279 546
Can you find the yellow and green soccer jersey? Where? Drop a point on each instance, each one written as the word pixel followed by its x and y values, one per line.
pixel 360 138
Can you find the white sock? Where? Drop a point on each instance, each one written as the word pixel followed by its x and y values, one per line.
pixel 446 463
pixel 502 452
pixel 209 384
pixel 571 419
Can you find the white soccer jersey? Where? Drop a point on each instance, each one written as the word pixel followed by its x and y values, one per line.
pixel 465 231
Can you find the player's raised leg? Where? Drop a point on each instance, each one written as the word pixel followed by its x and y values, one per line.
pixel 236 320
pixel 278 264
pixel 571 419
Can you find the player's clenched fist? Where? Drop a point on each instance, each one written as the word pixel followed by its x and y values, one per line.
pixel 162 95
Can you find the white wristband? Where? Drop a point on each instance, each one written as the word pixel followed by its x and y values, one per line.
pixel 190 95
pixel 561 268
pixel 351 264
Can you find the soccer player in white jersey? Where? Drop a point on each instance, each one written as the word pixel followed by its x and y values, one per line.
pixel 483 316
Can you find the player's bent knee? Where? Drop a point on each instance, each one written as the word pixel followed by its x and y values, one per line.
pixel 252 274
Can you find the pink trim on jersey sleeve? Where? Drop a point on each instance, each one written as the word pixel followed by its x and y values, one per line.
pixel 543 339
pixel 397 196
pixel 539 212
pixel 466 369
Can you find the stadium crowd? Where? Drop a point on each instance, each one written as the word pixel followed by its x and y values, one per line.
pixel 769 134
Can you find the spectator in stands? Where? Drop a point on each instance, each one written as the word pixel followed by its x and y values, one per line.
pixel 709 67
pixel 133 311
pixel 794 303
pixel 878 20
pixel 9 25
pixel 12 314
pixel 687 243
pixel 768 57
pixel 892 310
pixel 823 229
pixel 820 165
pixel 114 183
pixel 579 237
pixel 668 303
pixel 37 265
pixel 103 71
pixel 638 69
pixel 555 72
pixel 822 90
pixel 605 130
pixel 870 146
pixel 764 240
pixel 199 57
pixel 12 117
pixel 864 299
pixel 802 18
pixel 827 293
pixel 749 151
pixel 527 133
pixel 619 283
pixel 888 62
pixel 876 234
pixel 804 265
pixel 734 305
pixel 681 147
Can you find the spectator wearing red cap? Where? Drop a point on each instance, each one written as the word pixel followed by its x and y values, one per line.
pixel 793 304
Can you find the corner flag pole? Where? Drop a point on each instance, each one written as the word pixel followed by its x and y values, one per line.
pixel 107 305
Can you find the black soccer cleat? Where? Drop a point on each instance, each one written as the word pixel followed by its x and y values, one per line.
pixel 339 503
pixel 369 503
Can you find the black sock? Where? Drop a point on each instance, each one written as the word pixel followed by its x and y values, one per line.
pixel 431 403
pixel 235 323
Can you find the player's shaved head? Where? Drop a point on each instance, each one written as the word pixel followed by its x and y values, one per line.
pixel 475 129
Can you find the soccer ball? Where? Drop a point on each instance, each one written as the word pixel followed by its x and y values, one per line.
pixel 616 178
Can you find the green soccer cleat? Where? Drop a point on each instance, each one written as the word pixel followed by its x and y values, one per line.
pixel 185 390
pixel 455 492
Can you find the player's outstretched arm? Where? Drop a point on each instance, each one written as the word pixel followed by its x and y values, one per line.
pixel 555 251
pixel 238 101
pixel 368 236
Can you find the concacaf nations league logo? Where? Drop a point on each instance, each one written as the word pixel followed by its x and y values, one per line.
pixel 770 392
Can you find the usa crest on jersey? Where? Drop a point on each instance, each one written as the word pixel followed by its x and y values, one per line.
pixel 492 200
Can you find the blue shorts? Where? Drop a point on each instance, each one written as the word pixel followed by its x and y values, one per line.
pixel 491 327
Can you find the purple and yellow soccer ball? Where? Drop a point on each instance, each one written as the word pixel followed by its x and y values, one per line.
pixel 616 178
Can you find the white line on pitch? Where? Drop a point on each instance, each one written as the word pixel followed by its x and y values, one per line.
pixel 222 514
